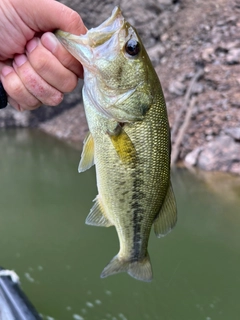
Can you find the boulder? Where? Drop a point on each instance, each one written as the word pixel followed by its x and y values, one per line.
pixel 234 133
pixel 220 154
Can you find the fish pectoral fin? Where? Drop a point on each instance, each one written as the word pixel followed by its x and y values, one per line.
pixel 167 216
pixel 140 270
pixel 123 146
pixel 97 216
pixel 87 156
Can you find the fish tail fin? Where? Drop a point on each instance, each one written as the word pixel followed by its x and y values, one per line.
pixel 140 270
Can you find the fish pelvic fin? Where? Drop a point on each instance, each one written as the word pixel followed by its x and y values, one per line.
pixel 167 216
pixel 97 216
pixel 140 270
pixel 87 156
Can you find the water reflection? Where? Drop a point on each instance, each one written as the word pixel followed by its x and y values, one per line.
pixel 44 202
pixel 225 185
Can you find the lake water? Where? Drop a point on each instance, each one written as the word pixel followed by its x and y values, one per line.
pixel 43 206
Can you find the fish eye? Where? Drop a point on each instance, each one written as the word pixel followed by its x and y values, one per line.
pixel 132 47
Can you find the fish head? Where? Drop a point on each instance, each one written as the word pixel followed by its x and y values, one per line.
pixel 116 68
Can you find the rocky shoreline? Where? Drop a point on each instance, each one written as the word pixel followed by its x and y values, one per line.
pixel 181 37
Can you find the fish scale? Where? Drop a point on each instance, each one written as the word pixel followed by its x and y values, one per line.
pixel 129 141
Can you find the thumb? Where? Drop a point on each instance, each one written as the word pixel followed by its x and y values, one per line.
pixel 48 15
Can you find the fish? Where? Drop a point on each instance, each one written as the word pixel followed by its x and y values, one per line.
pixel 128 141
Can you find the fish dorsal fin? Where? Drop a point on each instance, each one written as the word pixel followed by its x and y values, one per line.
pixel 87 156
pixel 97 216
pixel 123 146
pixel 167 216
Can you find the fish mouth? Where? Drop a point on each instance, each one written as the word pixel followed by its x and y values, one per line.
pixel 98 36
pixel 82 47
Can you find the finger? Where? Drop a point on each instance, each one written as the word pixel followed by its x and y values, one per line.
pixel 15 104
pixel 35 84
pixel 7 62
pixel 51 43
pixel 49 68
pixel 18 96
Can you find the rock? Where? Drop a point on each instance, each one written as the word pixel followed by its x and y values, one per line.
pixel 209 131
pixel 192 157
pixel 234 133
pixel 10 117
pixel 164 37
pixel 235 168
pixel 197 88
pixel 230 45
pixel 234 99
pixel 219 154
pixel 233 56
pixel 70 126
pixel 208 54
pixel 176 87
pixel 155 53
pixel 166 2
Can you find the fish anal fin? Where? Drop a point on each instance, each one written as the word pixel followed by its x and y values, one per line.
pixel 140 270
pixel 167 216
pixel 87 156
pixel 97 216
pixel 123 146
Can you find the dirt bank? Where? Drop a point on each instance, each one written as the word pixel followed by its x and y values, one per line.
pixel 182 37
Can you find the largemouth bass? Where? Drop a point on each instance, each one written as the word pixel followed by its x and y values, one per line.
pixel 129 140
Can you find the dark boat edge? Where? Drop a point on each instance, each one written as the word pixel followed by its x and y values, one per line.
pixel 16 300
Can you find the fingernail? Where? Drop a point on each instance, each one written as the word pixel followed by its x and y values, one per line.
pixel 31 45
pixel 6 70
pixel 49 41
pixel 20 59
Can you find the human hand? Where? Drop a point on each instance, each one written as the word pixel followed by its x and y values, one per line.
pixel 37 70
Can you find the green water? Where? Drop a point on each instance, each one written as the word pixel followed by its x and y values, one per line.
pixel 43 205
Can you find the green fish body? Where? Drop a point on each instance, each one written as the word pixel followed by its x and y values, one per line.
pixel 129 141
